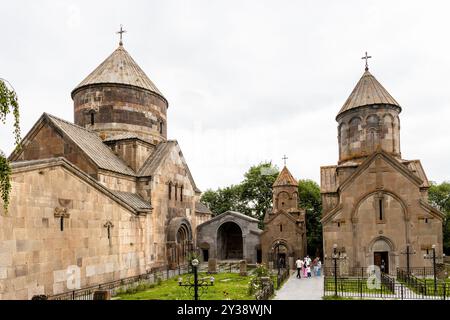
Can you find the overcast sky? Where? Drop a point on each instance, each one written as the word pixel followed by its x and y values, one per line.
pixel 246 81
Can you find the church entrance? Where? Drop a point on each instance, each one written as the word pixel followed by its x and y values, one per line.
pixel 182 245
pixel 229 241
pixel 280 255
pixel 381 259
pixel 381 248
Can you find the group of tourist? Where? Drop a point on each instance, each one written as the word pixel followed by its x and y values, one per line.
pixel 304 267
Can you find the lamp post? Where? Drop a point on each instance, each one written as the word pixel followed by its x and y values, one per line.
pixel 335 257
pixel 433 257
pixel 195 283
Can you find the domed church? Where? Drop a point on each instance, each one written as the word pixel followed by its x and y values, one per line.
pixel 108 196
pixel 375 202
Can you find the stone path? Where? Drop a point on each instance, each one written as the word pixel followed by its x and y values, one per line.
pixel 301 289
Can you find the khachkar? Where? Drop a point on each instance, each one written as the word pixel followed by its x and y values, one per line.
pixel 375 203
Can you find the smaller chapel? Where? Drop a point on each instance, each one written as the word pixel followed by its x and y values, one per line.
pixel 235 236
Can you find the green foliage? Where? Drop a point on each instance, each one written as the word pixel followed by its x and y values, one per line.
pixel 8 103
pixel 229 286
pixel 310 200
pixel 439 196
pixel 256 189
pixel 253 196
pixel 255 283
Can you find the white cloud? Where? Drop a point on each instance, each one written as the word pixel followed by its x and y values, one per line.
pixel 247 81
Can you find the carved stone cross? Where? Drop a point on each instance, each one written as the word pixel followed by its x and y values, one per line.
pixel 61 213
pixel 379 170
pixel 109 225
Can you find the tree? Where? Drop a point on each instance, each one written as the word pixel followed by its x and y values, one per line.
pixel 224 199
pixel 439 196
pixel 257 189
pixel 8 103
pixel 253 196
pixel 310 200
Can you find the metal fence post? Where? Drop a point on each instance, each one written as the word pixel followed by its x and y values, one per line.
pixel 401 290
pixel 444 287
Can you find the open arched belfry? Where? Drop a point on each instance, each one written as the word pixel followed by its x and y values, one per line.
pixel 375 203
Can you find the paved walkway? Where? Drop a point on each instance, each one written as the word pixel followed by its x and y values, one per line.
pixel 301 289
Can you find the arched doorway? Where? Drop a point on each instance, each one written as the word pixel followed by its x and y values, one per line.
pixel 230 241
pixel 179 242
pixel 280 254
pixel 182 244
pixel 381 249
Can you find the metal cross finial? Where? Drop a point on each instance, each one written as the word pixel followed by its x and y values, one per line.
pixel 366 57
pixel 121 32
pixel 284 158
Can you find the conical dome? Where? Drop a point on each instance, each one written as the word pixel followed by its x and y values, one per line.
pixel 285 178
pixel 119 68
pixel 368 91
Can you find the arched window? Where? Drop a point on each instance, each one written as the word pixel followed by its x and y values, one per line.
pixel 181 194
pixel 354 132
pixel 161 127
pixel 92 118
pixel 170 190
pixel 176 191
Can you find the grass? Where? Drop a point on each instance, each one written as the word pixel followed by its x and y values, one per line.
pixel 227 286
pixel 353 286
pixel 430 287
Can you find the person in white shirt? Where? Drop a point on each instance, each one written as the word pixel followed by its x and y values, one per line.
pixel 299 265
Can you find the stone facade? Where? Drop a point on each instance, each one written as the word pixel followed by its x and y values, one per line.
pixel 93 203
pixel 229 236
pixel 284 235
pixel 375 204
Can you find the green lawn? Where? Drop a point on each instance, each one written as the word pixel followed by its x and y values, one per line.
pixel 230 286
pixel 430 287
pixel 353 285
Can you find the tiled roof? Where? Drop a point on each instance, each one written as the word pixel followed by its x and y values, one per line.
pixel 202 208
pixel 328 181
pixel 133 200
pixel 416 167
pixel 152 163
pixel 121 136
pixel 92 146
pixel 368 91
pixel 119 68
pixel 285 178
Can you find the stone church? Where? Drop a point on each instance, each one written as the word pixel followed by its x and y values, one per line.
pixel 375 202
pixel 284 235
pixel 107 197
pixel 235 236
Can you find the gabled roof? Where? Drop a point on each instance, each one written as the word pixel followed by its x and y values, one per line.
pixel 131 202
pixel 119 68
pixel 285 178
pixel 157 158
pixel 89 143
pixel 202 208
pixel 368 91
pixel 388 159
pixel 233 214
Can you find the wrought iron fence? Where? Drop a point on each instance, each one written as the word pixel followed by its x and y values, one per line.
pixel 153 276
pixel 282 277
pixel 386 288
